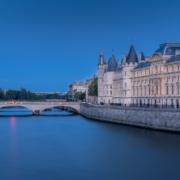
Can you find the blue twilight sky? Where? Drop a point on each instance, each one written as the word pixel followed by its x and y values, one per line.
pixel 47 44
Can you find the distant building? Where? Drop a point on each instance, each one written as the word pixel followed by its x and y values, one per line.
pixel 139 80
pixel 75 87
pixel 46 93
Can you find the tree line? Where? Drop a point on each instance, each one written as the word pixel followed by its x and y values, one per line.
pixel 23 94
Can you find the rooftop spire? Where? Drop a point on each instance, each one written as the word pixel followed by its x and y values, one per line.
pixel 132 40
pixel 132 57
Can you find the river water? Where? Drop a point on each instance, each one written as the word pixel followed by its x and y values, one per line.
pixel 60 145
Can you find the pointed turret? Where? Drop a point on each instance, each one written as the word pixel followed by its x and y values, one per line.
pixel 112 63
pixel 141 56
pixel 132 56
pixel 101 58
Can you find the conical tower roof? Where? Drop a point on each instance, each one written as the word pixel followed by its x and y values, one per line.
pixel 132 56
pixel 112 63
pixel 142 56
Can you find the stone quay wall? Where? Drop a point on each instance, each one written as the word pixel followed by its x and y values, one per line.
pixel 155 118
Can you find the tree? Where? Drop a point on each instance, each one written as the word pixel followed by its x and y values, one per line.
pixel 1 94
pixel 23 93
pixel 11 94
pixel 79 95
pixel 93 88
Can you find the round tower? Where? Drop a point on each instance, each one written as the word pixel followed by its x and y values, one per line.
pixel 101 68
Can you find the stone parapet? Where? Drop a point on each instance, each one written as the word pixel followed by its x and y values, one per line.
pixel 153 118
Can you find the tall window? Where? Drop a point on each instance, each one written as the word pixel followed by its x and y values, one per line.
pixel 125 93
pixel 144 90
pixel 172 68
pixel 111 92
pixel 157 90
pixel 137 91
pixel 125 73
pixel 160 90
pixel 125 85
pixel 167 69
pixel 172 89
pixel 177 89
pixel 166 89
pixel 156 70
pixel 178 67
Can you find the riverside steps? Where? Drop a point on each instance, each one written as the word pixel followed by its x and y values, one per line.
pixel 38 106
pixel 165 119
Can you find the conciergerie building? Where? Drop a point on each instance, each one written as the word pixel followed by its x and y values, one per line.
pixel 141 81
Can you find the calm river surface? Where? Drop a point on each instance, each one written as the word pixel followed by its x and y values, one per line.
pixel 51 147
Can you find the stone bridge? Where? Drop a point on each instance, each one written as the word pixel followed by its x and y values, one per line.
pixel 38 107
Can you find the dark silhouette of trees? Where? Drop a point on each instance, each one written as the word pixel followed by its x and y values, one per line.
pixel 23 94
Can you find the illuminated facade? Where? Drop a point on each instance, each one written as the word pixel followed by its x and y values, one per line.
pixel 140 80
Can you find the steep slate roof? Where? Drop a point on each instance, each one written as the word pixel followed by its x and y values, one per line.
pixel 142 56
pixel 173 59
pixel 112 64
pixel 143 65
pixel 132 56
pixel 168 49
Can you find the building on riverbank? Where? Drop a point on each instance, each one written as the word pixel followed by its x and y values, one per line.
pixel 76 87
pixel 139 80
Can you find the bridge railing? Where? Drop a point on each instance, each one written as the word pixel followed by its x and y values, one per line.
pixel 37 103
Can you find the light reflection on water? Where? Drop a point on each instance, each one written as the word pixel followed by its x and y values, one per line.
pixel 73 147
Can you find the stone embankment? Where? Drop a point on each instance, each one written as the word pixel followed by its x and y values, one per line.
pixel 155 118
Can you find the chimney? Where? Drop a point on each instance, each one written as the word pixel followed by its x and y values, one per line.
pixel 177 52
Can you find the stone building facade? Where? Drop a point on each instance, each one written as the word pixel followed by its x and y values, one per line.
pixel 139 80
pixel 75 87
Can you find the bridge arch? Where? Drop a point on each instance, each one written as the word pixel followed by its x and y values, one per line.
pixel 38 107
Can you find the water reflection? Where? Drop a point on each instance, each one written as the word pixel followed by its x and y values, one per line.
pixel 13 121
pixel 73 147
pixel 21 111
pixel 15 111
pixel 13 141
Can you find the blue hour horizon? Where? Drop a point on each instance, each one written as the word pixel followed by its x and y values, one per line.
pixel 46 45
